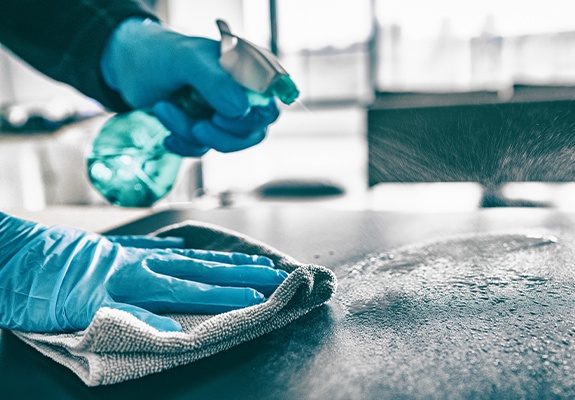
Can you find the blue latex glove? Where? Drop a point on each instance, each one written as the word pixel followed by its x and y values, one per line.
pixel 146 63
pixel 54 279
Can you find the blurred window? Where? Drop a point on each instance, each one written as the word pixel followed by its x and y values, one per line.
pixel 461 45
pixel 325 44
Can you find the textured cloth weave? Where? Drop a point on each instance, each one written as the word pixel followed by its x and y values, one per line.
pixel 117 347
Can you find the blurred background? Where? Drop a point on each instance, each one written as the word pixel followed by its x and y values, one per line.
pixel 407 105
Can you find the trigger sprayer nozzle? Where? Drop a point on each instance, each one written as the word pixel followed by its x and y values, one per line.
pixel 285 90
pixel 255 68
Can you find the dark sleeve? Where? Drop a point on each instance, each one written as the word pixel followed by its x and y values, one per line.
pixel 64 39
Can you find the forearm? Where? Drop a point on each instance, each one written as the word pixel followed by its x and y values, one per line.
pixel 13 233
pixel 65 39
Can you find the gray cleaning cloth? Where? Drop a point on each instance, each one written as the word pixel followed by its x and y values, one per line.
pixel 117 347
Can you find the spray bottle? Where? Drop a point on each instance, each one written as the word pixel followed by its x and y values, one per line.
pixel 128 163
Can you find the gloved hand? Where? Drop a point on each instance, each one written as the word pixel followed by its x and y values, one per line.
pixel 146 63
pixel 54 279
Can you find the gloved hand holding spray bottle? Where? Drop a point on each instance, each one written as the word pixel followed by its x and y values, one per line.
pixel 129 163
pixel 54 279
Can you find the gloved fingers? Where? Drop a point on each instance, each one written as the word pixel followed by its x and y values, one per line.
pixel 179 124
pixel 261 278
pixel 145 242
pixel 193 138
pixel 178 145
pixel 234 134
pixel 164 294
pixel 163 324
pixel 226 257
pixel 257 119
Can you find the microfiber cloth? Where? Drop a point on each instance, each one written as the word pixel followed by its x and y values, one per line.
pixel 117 347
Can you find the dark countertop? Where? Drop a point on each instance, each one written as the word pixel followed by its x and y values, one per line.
pixel 357 347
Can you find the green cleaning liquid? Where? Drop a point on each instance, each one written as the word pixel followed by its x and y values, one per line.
pixel 128 163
